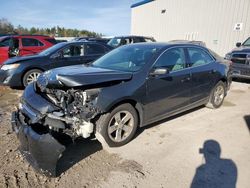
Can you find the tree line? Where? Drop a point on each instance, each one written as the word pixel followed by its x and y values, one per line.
pixel 7 27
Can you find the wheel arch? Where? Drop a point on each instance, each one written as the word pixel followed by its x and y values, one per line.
pixel 138 107
pixel 28 69
pixel 224 80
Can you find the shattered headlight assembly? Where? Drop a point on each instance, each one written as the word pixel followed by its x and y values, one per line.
pixel 90 95
pixel 42 81
pixel 10 66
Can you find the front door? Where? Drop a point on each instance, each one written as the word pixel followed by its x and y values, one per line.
pixel 70 55
pixel 169 92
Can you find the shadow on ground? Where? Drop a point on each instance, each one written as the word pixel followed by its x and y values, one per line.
pixel 76 152
pixel 216 172
pixel 247 119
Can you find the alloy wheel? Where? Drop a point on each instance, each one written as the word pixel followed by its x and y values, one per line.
pixel 120 126
pixel 32 77
pixel 219 94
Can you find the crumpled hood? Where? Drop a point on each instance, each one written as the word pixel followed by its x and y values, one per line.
pixel 80 75
pixel 19 59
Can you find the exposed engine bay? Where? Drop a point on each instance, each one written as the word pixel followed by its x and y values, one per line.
pixel 65 115
pixel 77 108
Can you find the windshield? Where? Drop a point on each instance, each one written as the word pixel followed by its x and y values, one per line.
pixel 126 58
pixel 52 49
pixel 247 42
pixel 114 42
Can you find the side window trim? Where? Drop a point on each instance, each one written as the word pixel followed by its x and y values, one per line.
pixel 185 60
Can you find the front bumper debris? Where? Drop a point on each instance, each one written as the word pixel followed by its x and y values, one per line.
pixel 42 151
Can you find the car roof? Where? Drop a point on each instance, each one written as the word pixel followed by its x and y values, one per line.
pixel 124 36
pixel 87 42
pixel 166 44
pixel 35 36
pixel 75 42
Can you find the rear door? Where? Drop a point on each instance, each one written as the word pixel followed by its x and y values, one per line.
pixel 203 69
pixel 169 92
pixel 30 46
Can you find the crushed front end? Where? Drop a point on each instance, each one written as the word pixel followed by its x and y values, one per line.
pixel 45 116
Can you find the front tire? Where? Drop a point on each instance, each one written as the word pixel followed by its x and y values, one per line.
pixel 117 127
pixel 31 76
pixel 217 96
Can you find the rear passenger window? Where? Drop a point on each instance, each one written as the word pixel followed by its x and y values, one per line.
pixel 138 39
pixel 31 42
pixel 94 49
pixel 173 59
pixel 198 57
pixel 149 40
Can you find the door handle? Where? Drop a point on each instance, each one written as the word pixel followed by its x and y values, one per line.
pixel 186 79
pixel 212 71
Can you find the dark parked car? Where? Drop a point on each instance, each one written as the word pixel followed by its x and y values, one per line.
pixel 23 45
pixel 240 58
pixel 123 40
pixel 21 71
pixel 130 87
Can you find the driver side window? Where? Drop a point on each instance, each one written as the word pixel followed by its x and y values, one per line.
pixel 173 60
pixel 73 51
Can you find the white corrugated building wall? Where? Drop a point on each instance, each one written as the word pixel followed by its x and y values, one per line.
pixel 219 23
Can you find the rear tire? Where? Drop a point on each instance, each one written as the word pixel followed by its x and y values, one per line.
pixel 31 76
pixel 217 96
pixel 117 127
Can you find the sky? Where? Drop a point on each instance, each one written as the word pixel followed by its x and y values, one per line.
pixel 109 17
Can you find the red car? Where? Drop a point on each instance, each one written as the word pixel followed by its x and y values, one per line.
pixel 22 45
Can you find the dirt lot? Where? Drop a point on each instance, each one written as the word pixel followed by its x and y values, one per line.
pixel 165 154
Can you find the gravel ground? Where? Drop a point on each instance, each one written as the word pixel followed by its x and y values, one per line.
pixel 164 154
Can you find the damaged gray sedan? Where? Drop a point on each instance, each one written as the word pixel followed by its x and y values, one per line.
pixel 131 86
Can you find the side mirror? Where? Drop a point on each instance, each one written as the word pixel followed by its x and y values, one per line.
pixel 159 71
pixel 238 44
